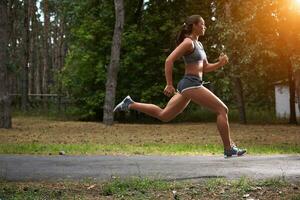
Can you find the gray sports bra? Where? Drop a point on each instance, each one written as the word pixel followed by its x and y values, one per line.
pixel 197 54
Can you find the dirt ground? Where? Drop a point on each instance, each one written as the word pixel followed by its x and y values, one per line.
pixel 184 190
pixel 28 130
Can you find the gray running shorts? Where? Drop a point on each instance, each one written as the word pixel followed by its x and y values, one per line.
pixel 189 81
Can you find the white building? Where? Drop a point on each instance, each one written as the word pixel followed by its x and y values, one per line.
pixel 282 99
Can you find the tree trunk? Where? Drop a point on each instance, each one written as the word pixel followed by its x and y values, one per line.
pixel 297 87
pixel 32 61
pixel 5 113
pixel 138 13
pixel 61 56
pixel 293 119
pixel 238 90
pixel 46 53
pixel 37 55
pixel 24 99
pixel 14 53
pixel 111 82
pixel 12 41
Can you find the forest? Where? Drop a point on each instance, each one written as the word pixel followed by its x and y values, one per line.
pixel 56 55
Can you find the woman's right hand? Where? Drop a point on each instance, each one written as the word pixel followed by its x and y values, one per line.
pixel 169 90
pixel 223 59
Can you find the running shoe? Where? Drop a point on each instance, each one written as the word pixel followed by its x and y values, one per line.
pixel 123 106
pixel 234 152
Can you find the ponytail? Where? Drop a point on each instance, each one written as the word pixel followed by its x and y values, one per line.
pixel 186 28
pixel 181 34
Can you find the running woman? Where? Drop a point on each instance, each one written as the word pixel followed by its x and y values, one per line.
pixel 190 87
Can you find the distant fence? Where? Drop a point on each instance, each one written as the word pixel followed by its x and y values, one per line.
pixel 61 102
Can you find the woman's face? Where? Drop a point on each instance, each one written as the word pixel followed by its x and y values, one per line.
pixel 200 27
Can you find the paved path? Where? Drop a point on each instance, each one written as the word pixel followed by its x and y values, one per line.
pixel 25 167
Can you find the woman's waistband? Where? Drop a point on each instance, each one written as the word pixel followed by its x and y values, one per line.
pixel 193 75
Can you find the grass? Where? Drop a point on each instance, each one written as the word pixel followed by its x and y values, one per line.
pixel 145 149
pixel 139 185
pixel 148 188
pixel 193 113
pixel 36 135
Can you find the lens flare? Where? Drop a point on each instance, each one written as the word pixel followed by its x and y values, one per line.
pixel 297 3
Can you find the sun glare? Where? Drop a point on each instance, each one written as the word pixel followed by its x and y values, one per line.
pixel 297 3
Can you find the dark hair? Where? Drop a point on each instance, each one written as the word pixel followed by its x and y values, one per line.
pixel 187 27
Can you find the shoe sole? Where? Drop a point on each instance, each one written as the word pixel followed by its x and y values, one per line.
pixel 234 156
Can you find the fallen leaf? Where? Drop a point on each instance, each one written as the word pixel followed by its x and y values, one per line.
pixel 92 186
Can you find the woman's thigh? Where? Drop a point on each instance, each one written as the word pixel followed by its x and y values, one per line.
pixel 204 97
pixel 175 106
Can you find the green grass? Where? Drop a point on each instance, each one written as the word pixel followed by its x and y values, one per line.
pixel 30 194
pixel 148 188
pixel 121 187
pixel 149 148
pixel 193 113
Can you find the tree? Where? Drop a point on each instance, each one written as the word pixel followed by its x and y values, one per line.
pixel 5 113
pixel 231 31
pixel 45 74
pixel 25 66
pixel 113 68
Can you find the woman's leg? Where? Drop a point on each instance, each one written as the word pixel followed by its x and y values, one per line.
pixel 175 106
pixel 204 97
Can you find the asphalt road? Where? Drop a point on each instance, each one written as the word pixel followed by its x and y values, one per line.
pixel 28 167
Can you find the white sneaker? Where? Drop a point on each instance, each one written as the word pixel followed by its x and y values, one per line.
pixel 123 105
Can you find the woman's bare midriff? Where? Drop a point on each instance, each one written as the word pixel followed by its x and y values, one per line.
pixel 194 68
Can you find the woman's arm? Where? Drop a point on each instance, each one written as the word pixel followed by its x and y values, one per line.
pixel 208 67
pixel 185 46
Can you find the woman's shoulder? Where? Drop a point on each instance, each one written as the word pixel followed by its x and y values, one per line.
pixel 188 41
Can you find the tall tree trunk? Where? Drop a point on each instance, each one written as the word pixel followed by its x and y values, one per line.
pixel 138 13
pixel 32 60
pixel 12 41
pixel 24 100
pixel 238 90
pixel 61 56
pixel 297 87
pixel 293 119
pixel 46 52
pixel 5 113
pixel 111 82
pixel 14 87
pixel 37 55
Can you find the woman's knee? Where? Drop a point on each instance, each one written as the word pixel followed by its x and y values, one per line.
pixel 163 117
pixel 223 110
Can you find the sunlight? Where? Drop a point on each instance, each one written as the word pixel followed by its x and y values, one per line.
pixel 296 5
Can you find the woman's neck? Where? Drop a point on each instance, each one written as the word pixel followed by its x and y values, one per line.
pixel 194 37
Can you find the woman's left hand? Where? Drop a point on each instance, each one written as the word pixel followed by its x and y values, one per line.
pixel 223 59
